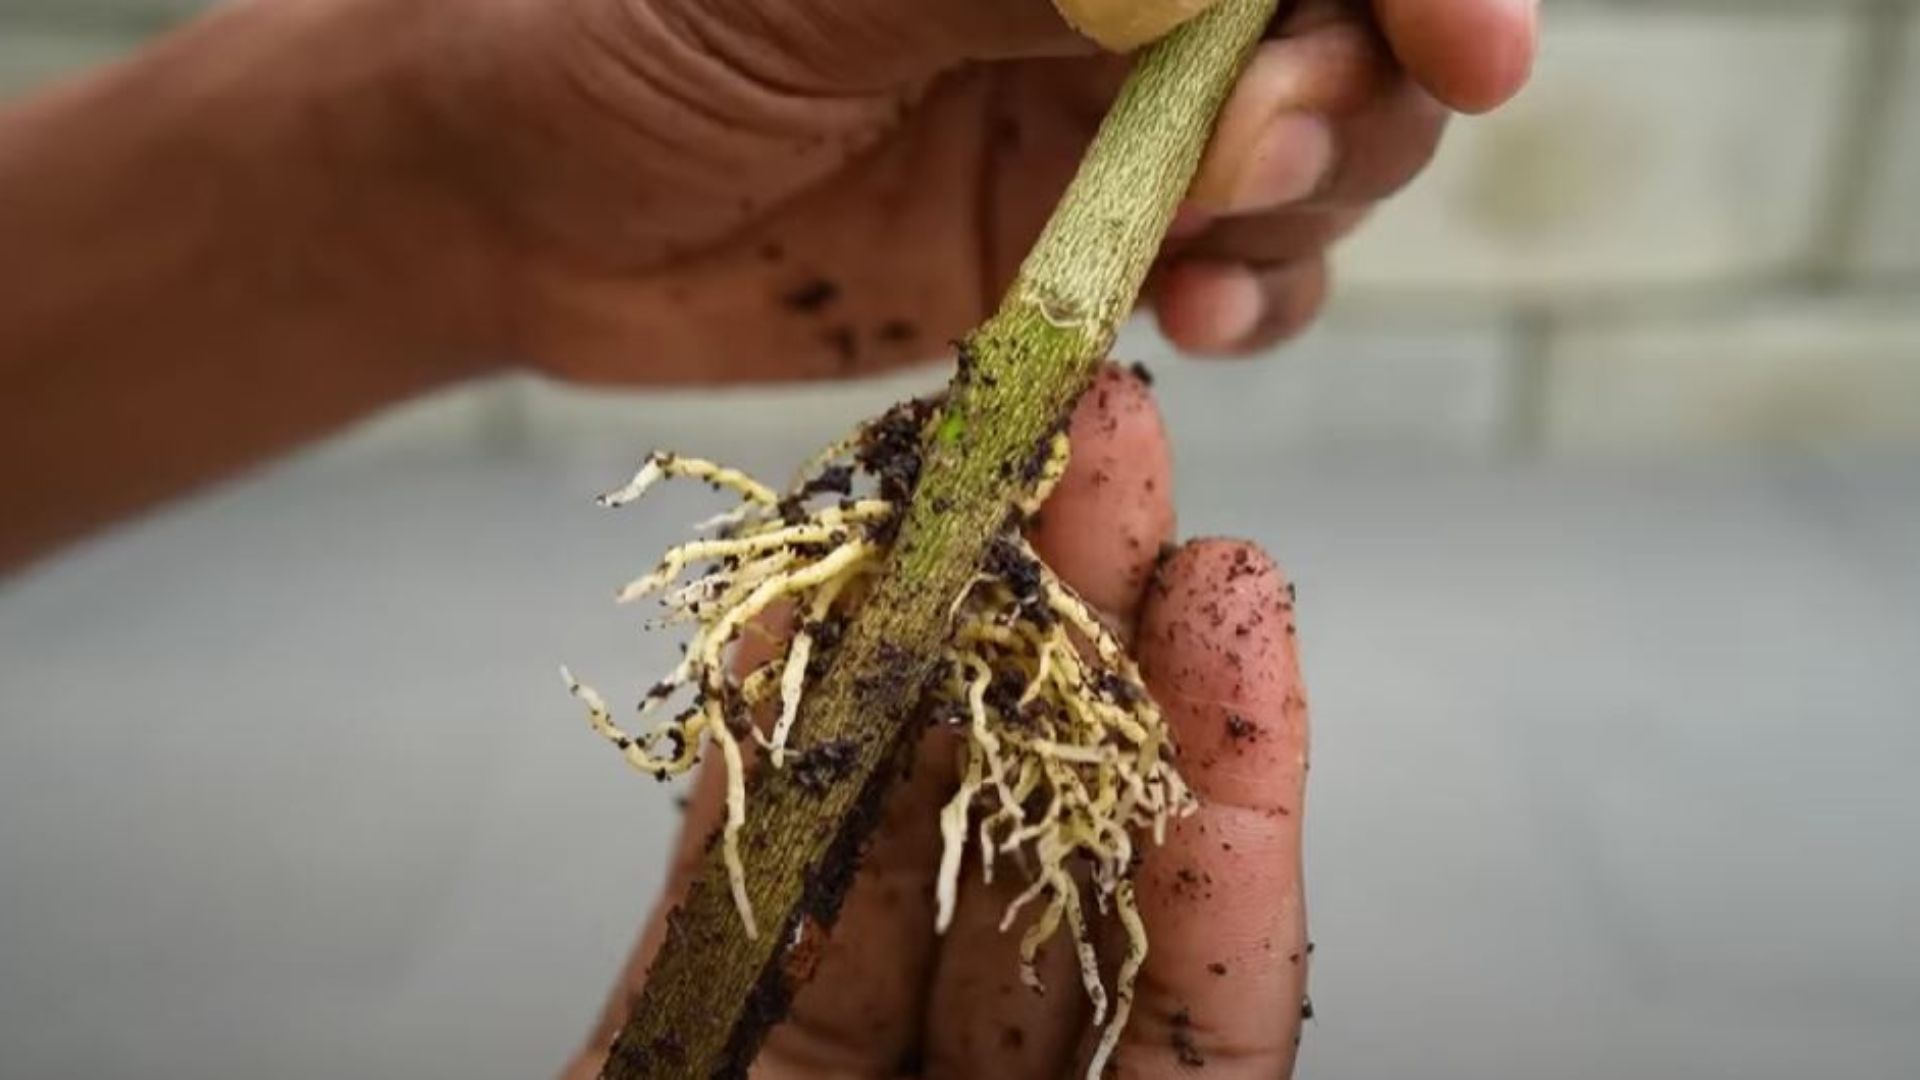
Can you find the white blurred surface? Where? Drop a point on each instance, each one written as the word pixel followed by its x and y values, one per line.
pixel 1612 764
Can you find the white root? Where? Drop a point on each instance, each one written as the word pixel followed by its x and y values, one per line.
pixel 1123 980
pixel 1066 758
pixel 793 676
pixel 661 465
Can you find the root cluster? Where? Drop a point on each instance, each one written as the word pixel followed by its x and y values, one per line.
pixel 1067 760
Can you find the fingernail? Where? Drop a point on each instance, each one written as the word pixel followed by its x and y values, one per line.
pixel 1288 163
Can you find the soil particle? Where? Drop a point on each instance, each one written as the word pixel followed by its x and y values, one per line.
pixel 885 529
pixel 826 633
pixel 1239 727
pixel 1020 574
pixel 1180 1037
pixel 891 450
pixel 1142 372
pixel 1217 967
pixel 837 479
pixel 1036 463
pixel 810 296
pixel 821 766
pixel 1003 694
pixel 964 362
pixel 1118 689
pixel 1242 565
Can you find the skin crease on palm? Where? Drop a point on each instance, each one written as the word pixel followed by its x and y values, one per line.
pixel 1341 107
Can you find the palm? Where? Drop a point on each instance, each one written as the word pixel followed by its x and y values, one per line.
pixel 845 247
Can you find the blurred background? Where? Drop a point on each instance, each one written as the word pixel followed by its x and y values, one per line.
pixel 1601 484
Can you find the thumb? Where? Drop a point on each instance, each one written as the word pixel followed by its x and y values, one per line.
pixel 1123 25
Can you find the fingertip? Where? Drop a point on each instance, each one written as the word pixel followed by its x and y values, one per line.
pixel 1209 307
pixel 1295 293
pixel 1474 55
pixel 1226 309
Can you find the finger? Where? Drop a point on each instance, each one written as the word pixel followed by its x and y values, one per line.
pixel 1207 307
pixel 1227 309
pixel 1223 983
pixel 1102 531
pixel 1267 239
pixel 1275 140
pixel 1471 54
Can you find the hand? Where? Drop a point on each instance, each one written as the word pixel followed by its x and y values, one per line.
pixel 692 190
pixel 1225 979
pixel 294 214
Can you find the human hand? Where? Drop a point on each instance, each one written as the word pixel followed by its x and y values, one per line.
pixel 1224 981
pixel 697 191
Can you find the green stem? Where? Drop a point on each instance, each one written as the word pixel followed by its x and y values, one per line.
pixel 713 993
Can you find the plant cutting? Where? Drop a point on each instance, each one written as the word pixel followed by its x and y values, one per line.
pixel 915 600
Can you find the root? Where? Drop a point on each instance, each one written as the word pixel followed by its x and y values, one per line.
pixel 1067 758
